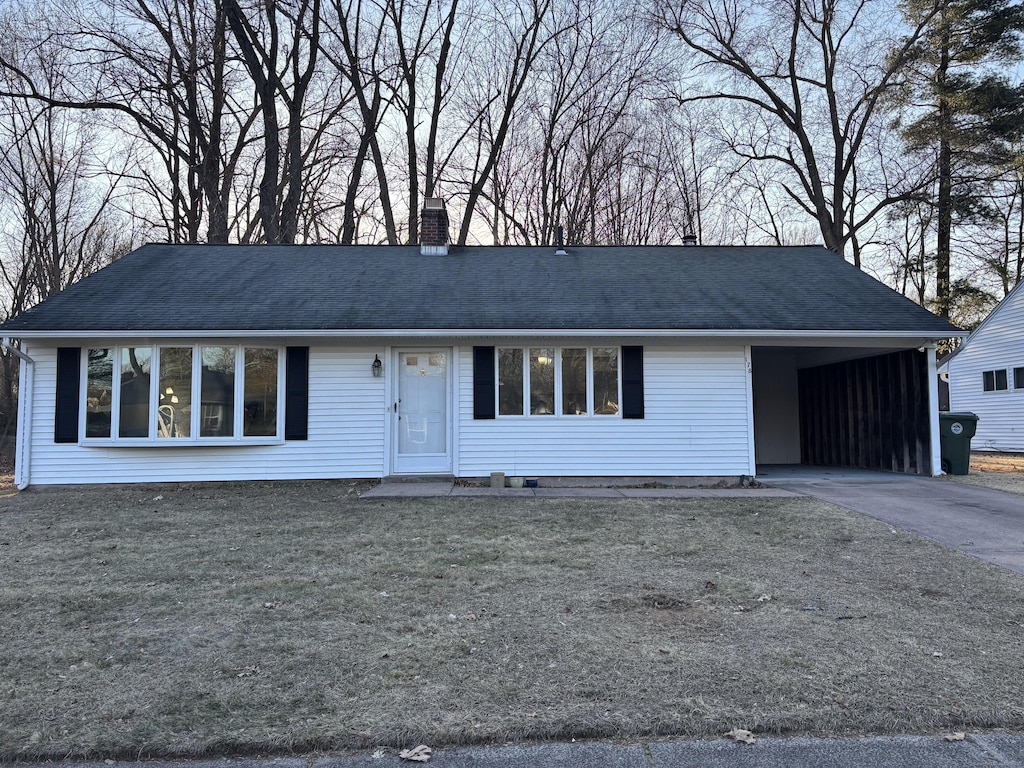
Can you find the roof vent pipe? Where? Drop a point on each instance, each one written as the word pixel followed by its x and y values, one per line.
pixel 559 236
pixel 689 239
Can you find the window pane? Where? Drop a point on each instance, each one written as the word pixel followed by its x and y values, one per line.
pixel 1018 378
pixel 989 378
pixel 574 382
pixel 1001 378
pixel 174 411
pixel 510 382
pixel 542 381
pixel 606 380
pixel 217 417
pixel 99 392
pixel 135 370
pixel 260 381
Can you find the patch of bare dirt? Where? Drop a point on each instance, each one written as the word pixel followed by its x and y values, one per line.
pixel 1000 471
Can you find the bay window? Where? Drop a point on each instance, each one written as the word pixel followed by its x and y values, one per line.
pixel 180 394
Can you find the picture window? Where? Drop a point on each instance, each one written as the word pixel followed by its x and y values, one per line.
pixel 553 381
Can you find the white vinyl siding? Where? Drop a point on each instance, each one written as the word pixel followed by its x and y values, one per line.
pixel 997 345
pixel 346 435
pixel 696 423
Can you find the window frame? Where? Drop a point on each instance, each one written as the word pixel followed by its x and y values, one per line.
pixel 993 375
pixel 558 403
pixel 194 438
pixel 1018 377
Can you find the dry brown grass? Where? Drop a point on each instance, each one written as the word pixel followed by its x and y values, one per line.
pixel 1001 471
pixel 293 617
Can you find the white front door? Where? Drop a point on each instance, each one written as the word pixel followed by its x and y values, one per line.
pixel 422 438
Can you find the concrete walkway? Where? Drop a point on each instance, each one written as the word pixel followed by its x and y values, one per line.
pixel 433 488
pixel 977 750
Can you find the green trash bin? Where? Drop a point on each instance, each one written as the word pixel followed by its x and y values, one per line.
pixel 955 433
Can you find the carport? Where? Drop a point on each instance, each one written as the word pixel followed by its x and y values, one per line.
pixel 869 407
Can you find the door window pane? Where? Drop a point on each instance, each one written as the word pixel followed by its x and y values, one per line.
pixel 606 380
pixel 217 385
pixel 135 378
pixel 260 392
pixel 510 382
pixel 99 392
pixel 542 381
pixel 574 382
pixel 174 411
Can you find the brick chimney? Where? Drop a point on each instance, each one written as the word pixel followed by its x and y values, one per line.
pixel 434 228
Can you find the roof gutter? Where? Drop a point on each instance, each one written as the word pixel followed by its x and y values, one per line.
pixel 368 333
pixel 23 439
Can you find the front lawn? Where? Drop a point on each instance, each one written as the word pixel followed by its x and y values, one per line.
pixel 277 617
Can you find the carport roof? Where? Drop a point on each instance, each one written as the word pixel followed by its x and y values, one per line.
pixel 320 288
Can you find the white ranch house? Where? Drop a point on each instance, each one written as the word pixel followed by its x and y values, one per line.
pixel 986 376
pixel 231 362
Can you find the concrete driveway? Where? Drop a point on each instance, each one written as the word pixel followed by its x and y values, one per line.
pixel 981 522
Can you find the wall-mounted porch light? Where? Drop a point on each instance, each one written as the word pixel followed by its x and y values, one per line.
pixel 377 367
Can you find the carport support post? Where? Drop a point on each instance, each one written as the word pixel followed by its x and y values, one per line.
pixel 933 410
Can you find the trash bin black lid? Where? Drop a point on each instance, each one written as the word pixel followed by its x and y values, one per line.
pixel 958 416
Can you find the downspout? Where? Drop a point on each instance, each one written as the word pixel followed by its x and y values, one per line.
pixel 23 439
pixel 933 411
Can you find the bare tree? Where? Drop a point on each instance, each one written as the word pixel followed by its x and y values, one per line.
pixel 814 72
pixel 509 39
pixel 279 46
pixel 164 65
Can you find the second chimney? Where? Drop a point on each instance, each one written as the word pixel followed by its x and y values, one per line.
pixel 434 228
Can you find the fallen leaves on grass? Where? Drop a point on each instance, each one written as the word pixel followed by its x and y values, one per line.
pixel 741 735
pixel 418 754
pixel 250 671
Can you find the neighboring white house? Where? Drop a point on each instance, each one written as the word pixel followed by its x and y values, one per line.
pixel 986 376
pixel 228 362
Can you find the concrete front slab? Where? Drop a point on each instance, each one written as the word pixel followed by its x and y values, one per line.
pixel 408 490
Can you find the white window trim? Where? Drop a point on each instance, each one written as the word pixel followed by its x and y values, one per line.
pixel 195 415
pixel 995 381
pixel 557 413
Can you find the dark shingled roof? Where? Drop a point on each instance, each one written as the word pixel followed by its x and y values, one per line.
pixel 294 288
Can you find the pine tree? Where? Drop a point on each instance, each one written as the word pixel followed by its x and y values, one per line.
pixel 972 111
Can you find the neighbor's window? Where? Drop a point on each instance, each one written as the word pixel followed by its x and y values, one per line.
pixel 568 381
pixel 198 392
pixel 1018 378
pixel 994 380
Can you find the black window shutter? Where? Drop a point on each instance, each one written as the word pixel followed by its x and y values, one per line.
pixel 632 382
pixel 69 377
pixel 296 393
pixel 484 394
